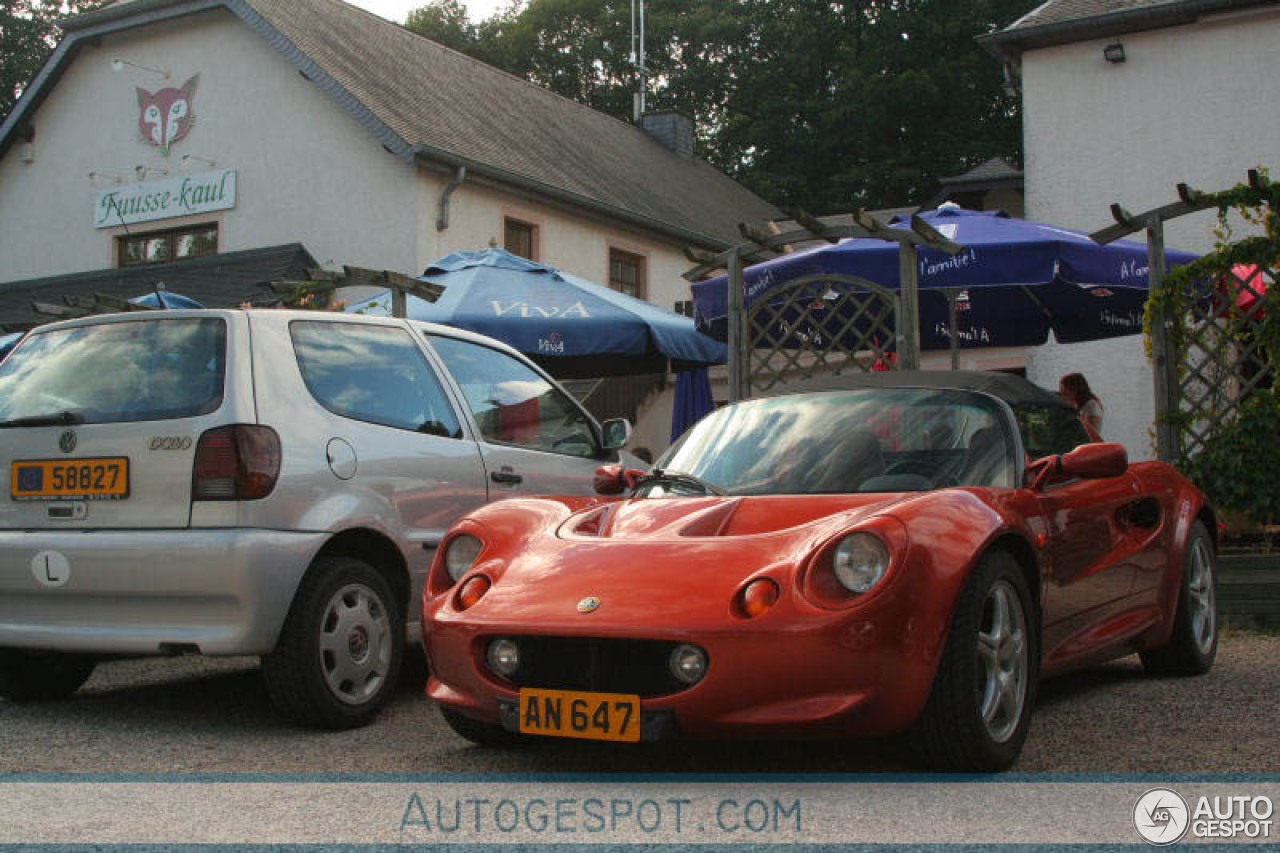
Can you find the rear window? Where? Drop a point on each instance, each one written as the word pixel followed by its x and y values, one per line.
pixel 148 370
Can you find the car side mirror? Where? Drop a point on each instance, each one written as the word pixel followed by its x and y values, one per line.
pixel 615 433
pixel 615 479
pixel 1095 461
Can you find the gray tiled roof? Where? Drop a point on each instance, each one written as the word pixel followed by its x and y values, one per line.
pixel 217 281
pixel 456 110
pixel 1063 21
pixel 995 169
pixel 1056 11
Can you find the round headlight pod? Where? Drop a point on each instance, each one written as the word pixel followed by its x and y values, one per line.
pixel 860 561
pixel 503 656
pixel 688 663
pixel 460 555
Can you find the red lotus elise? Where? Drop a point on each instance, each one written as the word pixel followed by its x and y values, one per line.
pixel 870 555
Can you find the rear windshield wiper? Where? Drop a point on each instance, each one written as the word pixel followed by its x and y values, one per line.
pixel 67 418
pixel 657 475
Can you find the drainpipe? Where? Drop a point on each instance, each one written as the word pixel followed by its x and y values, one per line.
pixel 442 220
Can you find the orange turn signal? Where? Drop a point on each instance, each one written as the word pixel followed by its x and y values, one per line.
pixel 472 591
pixel 759 596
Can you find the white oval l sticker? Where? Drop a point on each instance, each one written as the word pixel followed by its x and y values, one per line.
pixel 51 568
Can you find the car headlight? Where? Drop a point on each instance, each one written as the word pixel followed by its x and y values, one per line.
pixel 860 561
pixel 460 555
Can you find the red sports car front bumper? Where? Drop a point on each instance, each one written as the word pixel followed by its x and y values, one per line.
pixel 796 670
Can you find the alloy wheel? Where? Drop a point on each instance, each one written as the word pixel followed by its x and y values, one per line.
pixel 1202 601
pixel 1003 658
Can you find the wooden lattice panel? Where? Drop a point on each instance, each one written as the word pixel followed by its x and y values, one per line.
pixel 1222 360
pixel 818 325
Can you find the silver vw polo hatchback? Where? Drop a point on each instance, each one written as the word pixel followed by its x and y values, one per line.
pixel 261 482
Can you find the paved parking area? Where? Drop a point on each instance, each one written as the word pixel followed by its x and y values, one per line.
pixel 192 715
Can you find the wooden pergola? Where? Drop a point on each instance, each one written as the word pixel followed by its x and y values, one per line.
pixel 759 246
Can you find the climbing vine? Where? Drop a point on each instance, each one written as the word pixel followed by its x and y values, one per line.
pixel 1258 204
pixel 1228 415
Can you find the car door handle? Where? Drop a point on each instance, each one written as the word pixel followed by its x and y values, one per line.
pixel 506 475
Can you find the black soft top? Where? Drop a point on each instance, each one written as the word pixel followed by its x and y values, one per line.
pixel 1014 390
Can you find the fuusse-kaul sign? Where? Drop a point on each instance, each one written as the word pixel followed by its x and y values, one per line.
pixel 153 200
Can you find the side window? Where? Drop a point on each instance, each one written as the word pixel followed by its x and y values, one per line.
pixel 373 373
pixel 1047 431
pixel 513 404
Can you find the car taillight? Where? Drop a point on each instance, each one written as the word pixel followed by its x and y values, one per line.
pixel 240 462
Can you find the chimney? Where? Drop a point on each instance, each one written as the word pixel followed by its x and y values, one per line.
pixel 671 128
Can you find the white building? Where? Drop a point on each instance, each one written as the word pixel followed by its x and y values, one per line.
pixel 216 144
pixel 1122 100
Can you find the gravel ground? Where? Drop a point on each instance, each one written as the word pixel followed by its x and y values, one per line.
pixel 191 715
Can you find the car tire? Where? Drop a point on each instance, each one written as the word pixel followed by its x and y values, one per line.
pixel 1193 644
pixel 979 710
pixel 484 734
pixel 27 676
pixel 337 661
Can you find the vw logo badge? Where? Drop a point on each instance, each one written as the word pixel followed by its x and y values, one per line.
pixel 67 441
pixel 588 604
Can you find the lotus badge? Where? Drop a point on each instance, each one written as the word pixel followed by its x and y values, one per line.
pixel 588 604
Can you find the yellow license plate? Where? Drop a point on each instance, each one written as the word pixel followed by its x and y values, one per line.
pixel 51 479
pixel 570 713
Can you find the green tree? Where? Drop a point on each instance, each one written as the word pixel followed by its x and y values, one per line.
pixel 826 104
pixel 28 32
pixel 867 104
pixel 444 21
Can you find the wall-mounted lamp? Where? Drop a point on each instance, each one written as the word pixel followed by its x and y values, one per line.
pixel 105 178
pixel 188 158
pixel 117 65
pixel 1113 53
pixel 143 171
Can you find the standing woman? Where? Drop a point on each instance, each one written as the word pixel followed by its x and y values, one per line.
pixel 1074 388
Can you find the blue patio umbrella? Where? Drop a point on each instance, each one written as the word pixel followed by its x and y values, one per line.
pixel 165 299
pixel 693 400
pixel 573 327
pixel 1015 281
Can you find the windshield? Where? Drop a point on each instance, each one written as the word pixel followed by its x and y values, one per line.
pixel 871 440
pixel 111 372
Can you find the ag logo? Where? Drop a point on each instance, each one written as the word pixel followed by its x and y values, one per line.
pixel 588 604
pixel 67 441
pixel 1161 816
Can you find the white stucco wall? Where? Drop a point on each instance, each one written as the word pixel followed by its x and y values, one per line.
pixel 307 172
pixel 574 243
pixel 1194 104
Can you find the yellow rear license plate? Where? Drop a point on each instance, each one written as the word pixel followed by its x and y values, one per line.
pixel 570 713
pixel 51 479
